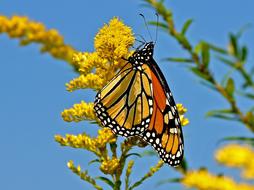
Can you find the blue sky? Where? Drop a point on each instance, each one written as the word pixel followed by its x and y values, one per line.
pixel 33 88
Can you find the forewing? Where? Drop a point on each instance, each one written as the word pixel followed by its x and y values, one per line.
pixel 125 103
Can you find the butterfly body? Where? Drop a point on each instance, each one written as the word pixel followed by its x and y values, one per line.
pixel 138 102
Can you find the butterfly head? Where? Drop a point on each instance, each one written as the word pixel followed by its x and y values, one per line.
pixel 143 55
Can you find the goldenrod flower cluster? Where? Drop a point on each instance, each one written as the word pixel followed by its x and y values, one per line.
pixel 238 156
pixel 203 180
pixel 34 32
pixel 96 145
pixel 90 80
pixel 79 112
pixel 77 141
pixel 111 44
pixel 105 136
pixel 109 166
pixel 113 40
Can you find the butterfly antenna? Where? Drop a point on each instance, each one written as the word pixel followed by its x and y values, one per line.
pixel 146 26
pixel 138 35
pixel 157 25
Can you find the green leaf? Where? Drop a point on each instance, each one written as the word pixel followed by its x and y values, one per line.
pixel 209 85
pixel 178 59
pixel 205 52
pixel 223 116
pixel 249 95
pixel 93 122
pixel 106 180
pixel 247 140
pixel 217 49
pixel 133 154
pixel 227 76
pixel 196 71
pixel 170 180
pixel 160 24
pixel 215 112
pixel 198 47
pixel 230 87
pixel 226 61
pixel 234 44
pixel 186 26
pixel 93 161
pixel 244 53
pixel 136 184
pixel 246 94
pixel 183 41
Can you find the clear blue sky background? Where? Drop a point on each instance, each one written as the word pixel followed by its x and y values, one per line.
pixel 33 88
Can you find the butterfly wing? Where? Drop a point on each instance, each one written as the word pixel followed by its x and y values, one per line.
pixel 125 104
pixel 164 132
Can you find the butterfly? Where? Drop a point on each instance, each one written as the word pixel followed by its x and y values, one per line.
pixel 138 102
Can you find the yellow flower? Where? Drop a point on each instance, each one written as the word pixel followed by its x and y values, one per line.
pixel 109 166
pixel 34 32
pixel 90 80
pixel 248 171
pixel 182 110
pixel 88 61
pixel 234 155
pixel 203 180
pixel 238 156
pixel 83 175
pixel 79 112
pixel 113 40
pixel 96 145
pixel 78 141
pixel 105 136
pixel 112 44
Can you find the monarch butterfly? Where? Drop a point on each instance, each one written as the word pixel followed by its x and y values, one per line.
pixel 138 102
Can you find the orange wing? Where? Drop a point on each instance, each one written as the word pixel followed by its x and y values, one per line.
pixel 164 132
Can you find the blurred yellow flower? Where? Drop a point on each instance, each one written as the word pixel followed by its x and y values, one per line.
pixel 34 32
pixel 239 156
pixel 203 180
